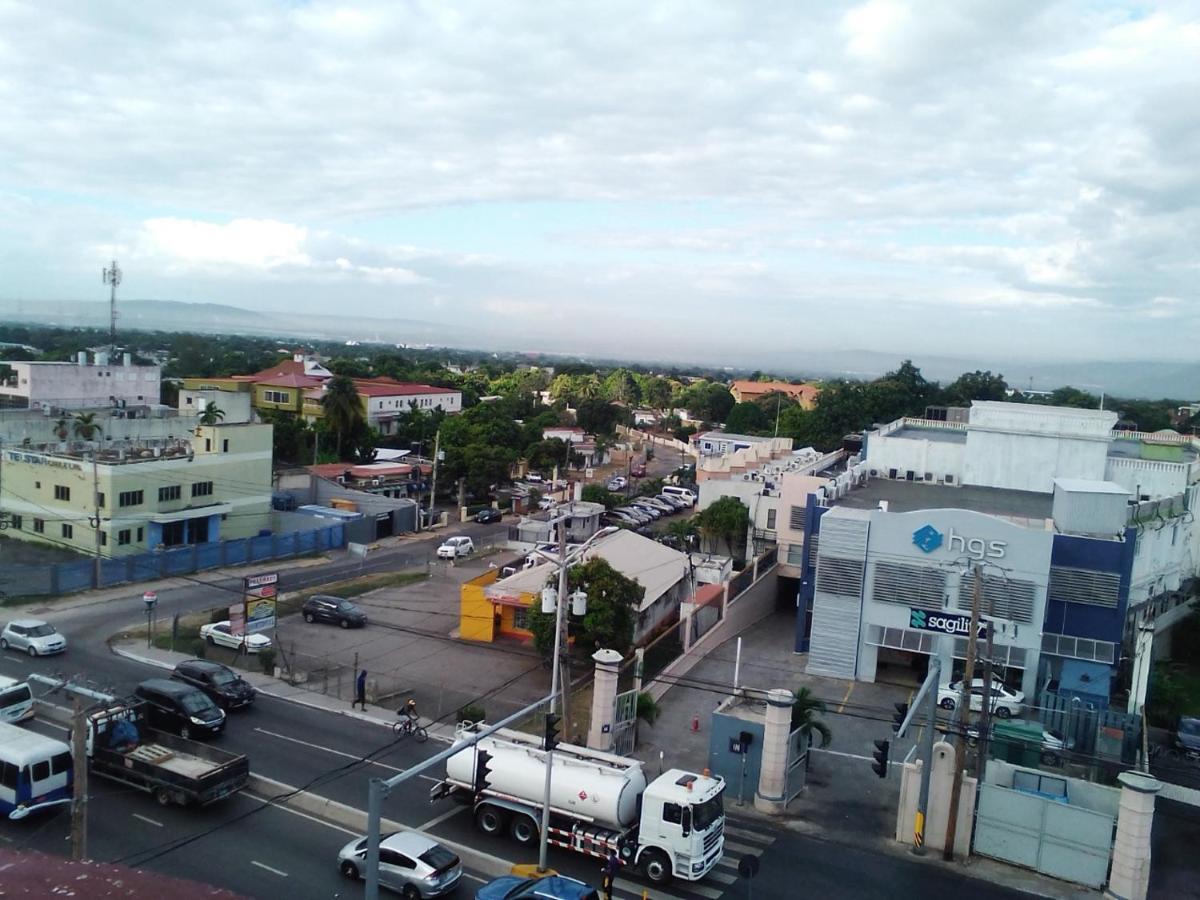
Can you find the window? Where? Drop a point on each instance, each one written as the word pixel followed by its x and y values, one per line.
pixel 167 494
pixel 672 812
pixel 39 526
pixel 207 445
pixel 60 763
pixel 123 536
pixel 139 535
pixel 202 489
pixel 771 519
pixel 62 492
pixel 41 770
pixel 225 445
pixel 277 396
pixel 15 522
pixel 796 518
pixel 131 498
pixel 521 618
pixel 100 499
pixel 68 531
pixel 103 538
pixel 8 776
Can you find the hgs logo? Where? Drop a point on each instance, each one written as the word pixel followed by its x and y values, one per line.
pixel 930 539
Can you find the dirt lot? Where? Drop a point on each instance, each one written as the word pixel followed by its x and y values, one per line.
pixel 409 650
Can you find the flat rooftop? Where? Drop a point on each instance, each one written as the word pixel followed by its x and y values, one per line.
pixel 1125 448
pixel 909 496
pixel 941 435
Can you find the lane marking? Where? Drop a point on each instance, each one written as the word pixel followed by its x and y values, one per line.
pixel 255 862
pixel 849 691
pixel 637 890
pixel 148 821
pixel 723 877
pixel 747 835
pixel 438 820
pixel 284 737
pixel 295 812
pixel 892 762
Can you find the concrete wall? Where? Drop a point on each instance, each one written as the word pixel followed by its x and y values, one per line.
pixel 1081 793
pixel 235 404
pixel 1145 477
pixel 938 812
pixel 725 726
pixel 71 385
pixel 910 453
pixel 17 426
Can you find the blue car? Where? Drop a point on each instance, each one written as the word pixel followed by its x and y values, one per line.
pixel 549 887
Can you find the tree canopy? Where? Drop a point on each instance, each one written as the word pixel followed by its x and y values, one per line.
pixel 612 606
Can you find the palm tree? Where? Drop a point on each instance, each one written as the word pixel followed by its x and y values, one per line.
pixel 343 409
pixel 62 428
pixel 212 414
pixel 804 717
pixel 86 427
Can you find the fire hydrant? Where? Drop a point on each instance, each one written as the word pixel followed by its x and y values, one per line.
pixel 695 723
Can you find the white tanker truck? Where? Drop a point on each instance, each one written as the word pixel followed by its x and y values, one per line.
pixel 672 827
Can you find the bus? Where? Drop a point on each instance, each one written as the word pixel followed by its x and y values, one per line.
pixel 16 700
pixel 35 772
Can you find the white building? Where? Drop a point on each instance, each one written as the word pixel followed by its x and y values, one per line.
pixel 80 385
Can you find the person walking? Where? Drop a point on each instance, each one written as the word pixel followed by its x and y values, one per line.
pixel 360 690
pixel 612 865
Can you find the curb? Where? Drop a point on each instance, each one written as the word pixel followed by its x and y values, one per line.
pixel 298 701
pixel 356 820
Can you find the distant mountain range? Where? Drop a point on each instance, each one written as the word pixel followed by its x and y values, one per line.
pixel 1152 379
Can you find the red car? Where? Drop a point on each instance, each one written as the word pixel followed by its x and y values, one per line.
pixel 638 470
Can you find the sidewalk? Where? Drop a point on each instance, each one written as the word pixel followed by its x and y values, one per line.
pixel 281 690
pixel 844 802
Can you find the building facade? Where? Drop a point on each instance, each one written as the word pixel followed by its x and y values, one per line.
pixel 81 385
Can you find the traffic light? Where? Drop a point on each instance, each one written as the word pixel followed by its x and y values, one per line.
pixel 552 725
pixel 483 770
pixel 882 750
pixel 899 716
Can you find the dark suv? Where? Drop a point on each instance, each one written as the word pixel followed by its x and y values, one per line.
pixel 226 688
pixel 180 708
pixel 326 608
pixel 488 514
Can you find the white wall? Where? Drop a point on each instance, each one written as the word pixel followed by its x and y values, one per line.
pixel 1031 462
pixel 939 458
pixel 1164 557
pixel 1142 477
pixel 69 384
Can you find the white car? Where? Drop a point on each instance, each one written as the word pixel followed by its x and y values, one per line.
pixel 547 503
pixel 617 483
pixel 1005 702
pixel 221 634
pixel 35 637
pixel 454 547
pixel 409 863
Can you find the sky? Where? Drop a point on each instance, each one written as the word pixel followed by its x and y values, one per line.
pixel 1014 178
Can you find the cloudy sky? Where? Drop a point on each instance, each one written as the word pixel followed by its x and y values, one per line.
pixel 1015 178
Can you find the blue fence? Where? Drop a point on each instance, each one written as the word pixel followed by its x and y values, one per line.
pixel 65 578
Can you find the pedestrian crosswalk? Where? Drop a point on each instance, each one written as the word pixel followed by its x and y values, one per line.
pixel 742 838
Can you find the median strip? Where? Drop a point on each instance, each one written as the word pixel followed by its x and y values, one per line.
pixel 356 820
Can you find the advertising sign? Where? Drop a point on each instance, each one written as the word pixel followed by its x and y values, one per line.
pixel 260 615
pixel 943 623
pixel 261 585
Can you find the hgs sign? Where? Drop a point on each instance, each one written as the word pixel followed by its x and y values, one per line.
pixel 930 539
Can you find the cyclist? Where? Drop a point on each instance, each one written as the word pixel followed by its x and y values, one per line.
pixel 409 709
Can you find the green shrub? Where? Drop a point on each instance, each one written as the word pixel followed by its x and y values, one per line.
pixel 267 659
pixel 472 713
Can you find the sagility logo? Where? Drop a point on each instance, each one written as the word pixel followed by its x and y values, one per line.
pixel 916 618
pixel 927 538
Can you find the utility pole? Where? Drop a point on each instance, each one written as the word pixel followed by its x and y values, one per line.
pixel 985 717
pixel 962 714
pixel 79 770
pixel 559 618
pixel 112 277
pixel 437 445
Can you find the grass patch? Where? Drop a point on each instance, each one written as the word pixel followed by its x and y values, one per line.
pixel 351 587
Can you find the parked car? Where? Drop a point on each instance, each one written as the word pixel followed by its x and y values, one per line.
pixel 222 685
pixel 180 708
pixel 35 637
pixel 682 492
pixel 488 514
pixel 549 887
pixel 618 483
pixel 667 509
pixel 339 611
pixel 220 634
pixel 534 478
pixel 1055 745
pixel 409 863
pixel 547 503
pixel 676 502
pixel 652 511
pixel 454 547
pixel 1005 703
pixel 634 513
pixel 638 470
pixel 1186 734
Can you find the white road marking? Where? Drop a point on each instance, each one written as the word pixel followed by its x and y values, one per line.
pixel 148 821
pixel 637 890
pixel 284 737
pixel 855 756
pixel 741 848
pixel 295 812
pixel 255 862
pixel 425 826
pixel 723 877
pixel 747 835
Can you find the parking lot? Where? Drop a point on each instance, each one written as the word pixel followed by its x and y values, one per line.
pixel 410 649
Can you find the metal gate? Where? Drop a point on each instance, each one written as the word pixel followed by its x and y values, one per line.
pixel 625 723
pixel 1044 833
pixel 797 766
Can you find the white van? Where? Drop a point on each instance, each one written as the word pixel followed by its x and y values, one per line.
pixel 683 493
pixel 16 700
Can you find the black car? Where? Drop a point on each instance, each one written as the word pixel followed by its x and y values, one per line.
pixel 226 688
pixel 327 608
pixel 488 514
pixel 180 708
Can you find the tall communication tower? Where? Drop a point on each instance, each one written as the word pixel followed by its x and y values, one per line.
pixel 112 276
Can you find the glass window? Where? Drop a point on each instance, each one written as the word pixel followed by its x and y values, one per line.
pixel 195 702
pixel 13 696
pixel 202 489
pixel 439 857
pixel 39 526
pixel 8 776
pixel 68 530
pixel 61 762
pixel 41 770
pixel 61 492
pixel 704 814
pixel 672 812
pixel 40 630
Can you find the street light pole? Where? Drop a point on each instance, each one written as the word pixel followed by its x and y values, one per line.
pixel 555 662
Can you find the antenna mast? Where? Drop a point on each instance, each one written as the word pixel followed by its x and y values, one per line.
pixel 112 276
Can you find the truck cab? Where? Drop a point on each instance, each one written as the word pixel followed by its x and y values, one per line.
pixel 682 827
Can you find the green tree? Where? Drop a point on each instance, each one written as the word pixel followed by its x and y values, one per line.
pixel 343 409
pixel 975 385
pixel 62 428
pixel 804 716
pixel 212 414
pixel 598 493
pixel 656 392
pixel 86 427
pixel 620 385
pixel 747 418
pixel 1069 396
pixel 611 616
pixel 598 416
pixel 727 519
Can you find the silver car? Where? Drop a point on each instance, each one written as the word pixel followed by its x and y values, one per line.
pixel 35 637
pixel 409 863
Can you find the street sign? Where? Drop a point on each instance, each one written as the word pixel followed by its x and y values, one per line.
pixel 149 598
pixel 253 582
pixel 943 623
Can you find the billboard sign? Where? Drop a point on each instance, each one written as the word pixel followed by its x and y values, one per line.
pixel 944 623
pixel 260 615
